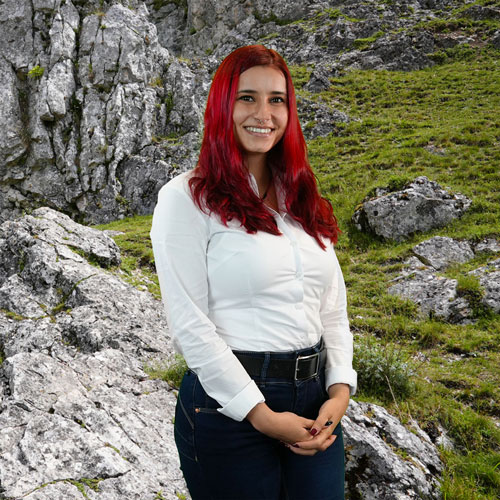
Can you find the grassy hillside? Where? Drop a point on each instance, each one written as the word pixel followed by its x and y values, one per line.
pixel 442 122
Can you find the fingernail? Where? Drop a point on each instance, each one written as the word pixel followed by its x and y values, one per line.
pixel 313 432
pixel 295 445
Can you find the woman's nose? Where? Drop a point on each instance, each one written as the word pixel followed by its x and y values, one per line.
pixel 263 113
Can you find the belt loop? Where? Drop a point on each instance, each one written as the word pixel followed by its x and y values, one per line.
pixel 265 366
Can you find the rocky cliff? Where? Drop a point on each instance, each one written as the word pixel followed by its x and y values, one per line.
pixel 102 101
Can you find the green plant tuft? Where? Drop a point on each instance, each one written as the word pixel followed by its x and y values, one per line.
pixel 36 72
pixel 172 373
pixel 383 371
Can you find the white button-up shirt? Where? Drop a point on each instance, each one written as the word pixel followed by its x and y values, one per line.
pixel 225 289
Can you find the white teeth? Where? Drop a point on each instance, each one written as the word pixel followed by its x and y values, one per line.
pixel 259 130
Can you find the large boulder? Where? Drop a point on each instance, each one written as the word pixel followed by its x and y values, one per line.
pixel 421 205
pixel 77 410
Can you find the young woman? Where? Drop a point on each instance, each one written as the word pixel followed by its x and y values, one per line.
pixel 255 298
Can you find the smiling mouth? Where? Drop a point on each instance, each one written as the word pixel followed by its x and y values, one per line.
pixel 257 130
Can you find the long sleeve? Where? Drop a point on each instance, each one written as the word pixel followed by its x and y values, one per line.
pixel 180 236
pixel 337 335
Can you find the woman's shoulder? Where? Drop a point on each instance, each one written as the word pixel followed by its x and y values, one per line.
pixel 179 184
pixel 175 197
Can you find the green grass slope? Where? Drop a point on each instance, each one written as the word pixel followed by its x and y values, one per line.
pixel 442 122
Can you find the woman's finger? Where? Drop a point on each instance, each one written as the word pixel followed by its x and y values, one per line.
pixel 319 443
pixel 307 423
pixel 299 451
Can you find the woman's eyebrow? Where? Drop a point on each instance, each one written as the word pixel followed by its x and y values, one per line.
pixel 249 91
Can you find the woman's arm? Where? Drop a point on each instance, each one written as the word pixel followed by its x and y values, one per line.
pixel 341 379
pixel 180 235
pixel 337 335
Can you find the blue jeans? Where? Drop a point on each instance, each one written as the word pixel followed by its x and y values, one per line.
pixel 223 459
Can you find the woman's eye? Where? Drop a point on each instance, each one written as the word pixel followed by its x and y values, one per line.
pixel 277 99
pixel 247 98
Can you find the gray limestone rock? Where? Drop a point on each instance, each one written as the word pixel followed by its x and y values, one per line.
pixel 488 245
pixel 87 419
pixel 480 12
pixel 317 118
pixel 495 40
pixel 438 296
pixel 13 142
pixel 186 90
pixel 121 69
pixel 400 52
pixel 318 81
pixel 88 94
pixel 142 176
pixel 77 409
pixel 439 252
pixel 371 433
pixel 420 206
pixel 435 295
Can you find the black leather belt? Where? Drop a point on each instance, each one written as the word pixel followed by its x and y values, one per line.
pixel 300 368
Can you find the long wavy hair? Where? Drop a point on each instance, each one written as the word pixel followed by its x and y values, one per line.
pixel 220 181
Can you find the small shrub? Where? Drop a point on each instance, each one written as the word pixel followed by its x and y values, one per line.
pixel 36 72
pixel 169 103
pixel 172 373
pixel 156 82
pixel 463 52
pixel 468 286
pixel 382 369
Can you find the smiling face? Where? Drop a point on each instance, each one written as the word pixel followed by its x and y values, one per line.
pixel 260 113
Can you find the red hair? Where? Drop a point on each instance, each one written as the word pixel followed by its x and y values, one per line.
pixel 220 180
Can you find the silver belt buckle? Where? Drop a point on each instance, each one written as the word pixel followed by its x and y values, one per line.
pixel 316 355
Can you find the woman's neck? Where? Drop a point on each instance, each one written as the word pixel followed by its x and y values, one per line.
pixel 257 166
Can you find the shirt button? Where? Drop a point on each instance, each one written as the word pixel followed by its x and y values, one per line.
pixel 299 275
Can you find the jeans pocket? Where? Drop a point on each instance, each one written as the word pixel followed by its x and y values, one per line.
pixel 202 402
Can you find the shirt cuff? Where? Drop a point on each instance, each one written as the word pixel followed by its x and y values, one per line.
pixel 239 407
pixel 342 375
